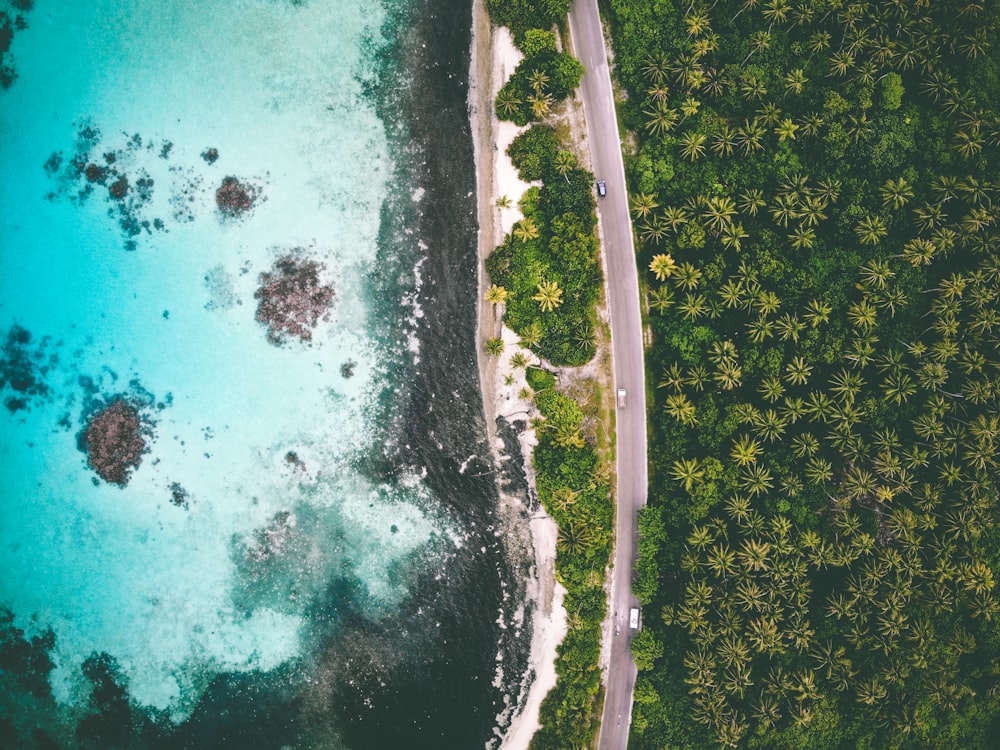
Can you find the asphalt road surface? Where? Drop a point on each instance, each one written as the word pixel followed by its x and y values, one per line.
pixel 626 336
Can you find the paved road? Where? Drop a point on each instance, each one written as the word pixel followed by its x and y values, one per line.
pixel 626 325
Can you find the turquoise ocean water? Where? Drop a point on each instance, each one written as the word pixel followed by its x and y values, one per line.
pixel 255 501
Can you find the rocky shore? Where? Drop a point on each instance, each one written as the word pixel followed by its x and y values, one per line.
pixel 494 58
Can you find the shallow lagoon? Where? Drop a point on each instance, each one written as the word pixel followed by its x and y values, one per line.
pixel 273 507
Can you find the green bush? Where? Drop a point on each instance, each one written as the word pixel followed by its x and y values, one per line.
pixel 539 379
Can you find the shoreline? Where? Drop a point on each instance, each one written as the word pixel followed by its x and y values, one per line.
pixel 493 59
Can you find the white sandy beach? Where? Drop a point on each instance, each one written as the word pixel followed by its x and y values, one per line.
pixel 494 58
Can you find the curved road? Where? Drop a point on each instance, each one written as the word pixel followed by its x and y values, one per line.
pixel 627 348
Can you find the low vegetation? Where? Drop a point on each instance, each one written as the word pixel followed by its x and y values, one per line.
pixel 547 275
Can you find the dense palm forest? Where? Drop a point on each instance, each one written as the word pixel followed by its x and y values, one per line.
pixel 815 192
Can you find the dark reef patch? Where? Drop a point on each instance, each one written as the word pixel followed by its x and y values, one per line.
pixel 293 298
pixel 121 173
pixel 114 440
pixel 235 197
pixel 23 369
pixel 129 186
pixel 9 26
pixel 179 496
pixel 116 431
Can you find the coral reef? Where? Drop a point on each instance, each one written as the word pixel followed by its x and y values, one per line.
pixel 114 440
pixel 292 299
pixel 235 197
pixel 8 26
pixel 23 368
pixel 179 496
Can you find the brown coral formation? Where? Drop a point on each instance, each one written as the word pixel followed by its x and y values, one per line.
pixel 114 442
pixel 235 197
pixel 292 299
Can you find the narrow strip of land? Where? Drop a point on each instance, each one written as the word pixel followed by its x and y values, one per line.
pixel 626 335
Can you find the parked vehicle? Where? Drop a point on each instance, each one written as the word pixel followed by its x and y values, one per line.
pixel 602 189
pixel 621 398
pixel 633 618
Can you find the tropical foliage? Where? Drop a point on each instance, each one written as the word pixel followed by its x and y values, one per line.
pixel 550 277
pixel 549 264
pixel 819 554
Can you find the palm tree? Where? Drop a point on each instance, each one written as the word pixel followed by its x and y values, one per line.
pixel 733 235
pixel 729 375
pixel 496 295
pixel 508 103
pixel 732 293
pixel 653 231
pixel 818 470
pixel 870 230
pixel 675 217
pixel 697 22
pixel 771 389
pixel 689 107
pixel 688 472
pixel 858 128
pixel 789 326
pixel 680 408
pixel 541 105
pixel 751 136
pixel 719 211
pixel 574 538
pixel 753 89
pixel 802 239
pixel 661 298
pixel 797 371
pixel 531 336
pixel 662 266
pixel 538 80
pixel 643 205
pixel 493 346
pixel 811 210
pixel 862 315
pixel 811 123
pixel 656 66
pixel 526 229
pixel 693 145
pixel 504 202
pixel 724 141
pixel 919 252
pixel 840 63
pixel 760 330
pixel 687 276
pixel 549 296
pixel 660 119
pixel 818 312
pixel 805 444
pixel 745 451
pixel 519 360
pixel 756 480
pixel 658 93
pixel 896 192
pixel 673 377
pixel 785 209
pixel 751 201
pixel 875 273
pixel 564 497
pixel 694 306
pixel 786 130
pixel 564 163
pixel 794 81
